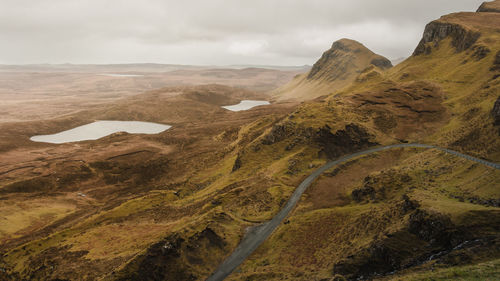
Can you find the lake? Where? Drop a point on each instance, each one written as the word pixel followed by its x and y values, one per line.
pixel 246 105
pixel 99 129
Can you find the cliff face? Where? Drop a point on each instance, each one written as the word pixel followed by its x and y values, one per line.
pixel 462 38
pixel 464 28
pixel 489 7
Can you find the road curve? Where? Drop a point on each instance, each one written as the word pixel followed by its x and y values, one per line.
pixel 256 235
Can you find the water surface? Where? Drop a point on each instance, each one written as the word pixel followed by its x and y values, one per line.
pixel 99 129
pixel 246 105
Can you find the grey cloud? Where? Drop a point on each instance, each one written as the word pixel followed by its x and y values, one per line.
pixel 209 32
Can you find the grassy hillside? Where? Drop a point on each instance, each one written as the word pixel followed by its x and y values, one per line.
pixel 177 210
pixel 337 68
pixel 399 214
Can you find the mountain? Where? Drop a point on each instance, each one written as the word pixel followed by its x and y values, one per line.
pixel 173 206
pixel 337 68
pixel 407 214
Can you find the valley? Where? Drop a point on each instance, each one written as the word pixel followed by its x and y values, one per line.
pixel 353 169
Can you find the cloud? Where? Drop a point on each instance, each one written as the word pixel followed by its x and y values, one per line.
pixel 219 32
pixel 247 47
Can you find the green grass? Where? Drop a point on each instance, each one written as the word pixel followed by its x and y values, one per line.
pixel 486 271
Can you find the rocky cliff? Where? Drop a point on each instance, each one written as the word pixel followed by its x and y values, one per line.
pixel 436 31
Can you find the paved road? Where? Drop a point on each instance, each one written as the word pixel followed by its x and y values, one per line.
pixel 258 234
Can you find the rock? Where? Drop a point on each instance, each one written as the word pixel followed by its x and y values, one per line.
pixel 209 234
pixel 278 133
pixel 382 63
pixel 480 52
pixel 407 205
pixel 462 38
pixel 360 194
pixel 237 164
pixel 495 112
pixel 160 260
pixel 351 138
pixel 433 228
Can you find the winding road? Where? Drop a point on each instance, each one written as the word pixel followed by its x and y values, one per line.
pixel 256 235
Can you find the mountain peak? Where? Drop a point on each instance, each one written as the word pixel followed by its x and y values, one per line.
pixel 338 67
pixel 347 45
pixel 343 58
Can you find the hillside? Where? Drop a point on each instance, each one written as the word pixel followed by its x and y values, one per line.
pixel 175 205
pixel 406 214
pixel 337 68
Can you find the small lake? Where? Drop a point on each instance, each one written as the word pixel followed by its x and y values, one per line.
pixel 246 105
pixel 99 129
pixel 121 75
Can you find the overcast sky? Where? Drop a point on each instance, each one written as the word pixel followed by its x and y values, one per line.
pixel 209 32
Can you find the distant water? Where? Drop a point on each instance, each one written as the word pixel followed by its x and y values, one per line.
pixel 99 129
pixel 246 105
pixel 121 75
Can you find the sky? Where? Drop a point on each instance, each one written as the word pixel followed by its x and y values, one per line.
pixel 209 32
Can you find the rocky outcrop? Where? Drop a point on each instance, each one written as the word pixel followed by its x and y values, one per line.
pixel 462 38
pixel 160 262
pixel 351 138
pixel 381 62
pixel 171 258
pixel 278 133
pixel 489 7
pixel 237 164
pixel 480 52
pixel 360 194
pixel 425 237
pixel 436 229
pixel 496 112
